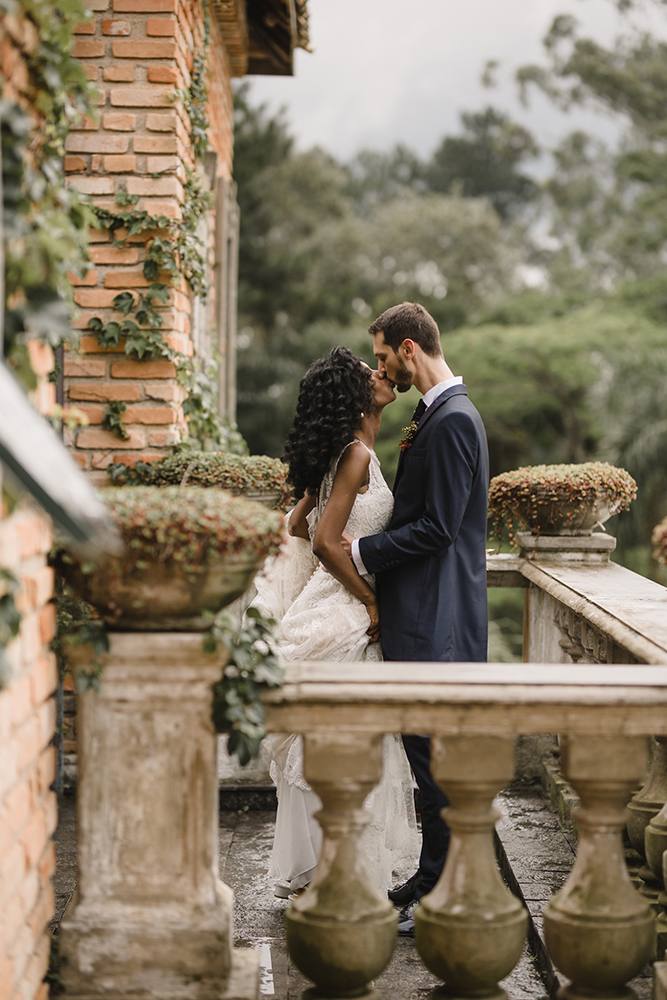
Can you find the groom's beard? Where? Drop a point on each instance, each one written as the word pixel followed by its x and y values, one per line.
pixel 403 379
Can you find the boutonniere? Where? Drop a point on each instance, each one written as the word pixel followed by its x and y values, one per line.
pixel 408 434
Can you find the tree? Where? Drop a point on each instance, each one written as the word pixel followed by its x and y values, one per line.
pixel 609 207
pixel 376 177
pixel 485 161
pixel 320 256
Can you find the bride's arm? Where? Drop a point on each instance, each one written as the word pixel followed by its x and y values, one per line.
pixel 298 525
pixel 351 475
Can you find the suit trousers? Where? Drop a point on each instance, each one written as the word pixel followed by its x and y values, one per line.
pixel 435 832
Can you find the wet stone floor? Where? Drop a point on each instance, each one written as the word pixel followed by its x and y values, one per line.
pixel 534 851
pixel 244 848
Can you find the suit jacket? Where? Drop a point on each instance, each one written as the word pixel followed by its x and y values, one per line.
pixel 431 561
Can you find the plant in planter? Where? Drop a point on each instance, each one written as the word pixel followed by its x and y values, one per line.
pixel 659 540
pixel 559 499
pixel 256 477
pixel 187 552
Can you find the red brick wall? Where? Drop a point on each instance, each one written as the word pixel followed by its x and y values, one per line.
pixel 28 811
pixel 138 52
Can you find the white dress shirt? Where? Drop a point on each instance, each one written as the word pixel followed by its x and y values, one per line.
pixel 428 398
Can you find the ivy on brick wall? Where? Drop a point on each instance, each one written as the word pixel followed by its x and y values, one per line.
pixel 195 97
pixel 10 619
pixel 174 250
pixel 180 252
pixel 45 223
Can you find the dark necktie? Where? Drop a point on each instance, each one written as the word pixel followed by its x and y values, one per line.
pixel 419 411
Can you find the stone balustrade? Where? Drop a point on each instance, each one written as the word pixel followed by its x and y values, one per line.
pixel 581 607
pixel 151 918
pixel 470 931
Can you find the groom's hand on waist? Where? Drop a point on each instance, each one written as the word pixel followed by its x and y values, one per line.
pixel 346 541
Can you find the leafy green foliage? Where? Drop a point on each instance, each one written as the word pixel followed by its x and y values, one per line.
pixel 485 161
pixel 192 526
pixel 240 474
pixel 542 495
pixel 609 210
pixel 78 624
pixel 45 223
pixel 252 666
pixel 659 540
pixel 195 97
pixel 324 248
pixel 10 619
pixel 112 420
pixel 179 251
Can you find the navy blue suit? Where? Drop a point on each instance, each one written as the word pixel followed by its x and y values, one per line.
pixel 431 572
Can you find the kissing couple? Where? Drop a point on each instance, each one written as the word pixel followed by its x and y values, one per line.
pixel 371 574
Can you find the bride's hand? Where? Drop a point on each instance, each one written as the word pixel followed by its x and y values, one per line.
pixel 346 541
pixel 374 628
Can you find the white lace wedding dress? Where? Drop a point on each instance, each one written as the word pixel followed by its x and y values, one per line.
pixel 320 620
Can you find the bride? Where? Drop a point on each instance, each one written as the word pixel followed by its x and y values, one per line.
pixel 326 610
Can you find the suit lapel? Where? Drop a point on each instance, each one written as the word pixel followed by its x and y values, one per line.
pixel 454 390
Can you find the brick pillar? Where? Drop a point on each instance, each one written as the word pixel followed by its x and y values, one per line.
pixel 28 812
pixel 138 52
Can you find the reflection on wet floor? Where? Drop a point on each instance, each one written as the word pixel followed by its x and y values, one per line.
pixel 245 845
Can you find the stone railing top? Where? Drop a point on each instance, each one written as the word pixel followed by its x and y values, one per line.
pixel 501 699
pixel 629 608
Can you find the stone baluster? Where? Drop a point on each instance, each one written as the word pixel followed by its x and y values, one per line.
pixel 341 932
pixel 470 930
pixel 644 807
pixel 599 930
pixel 151 917
pixel 655 842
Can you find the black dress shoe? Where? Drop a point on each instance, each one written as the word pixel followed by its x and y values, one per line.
pixel 404 894
pixel 406 920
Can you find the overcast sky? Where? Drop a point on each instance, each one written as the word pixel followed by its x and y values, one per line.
pixel 388 71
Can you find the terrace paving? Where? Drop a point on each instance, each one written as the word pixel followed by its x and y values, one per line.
pixel 535 854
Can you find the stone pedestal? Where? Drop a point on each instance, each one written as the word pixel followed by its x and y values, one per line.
pixel 588 549
pixel 151 917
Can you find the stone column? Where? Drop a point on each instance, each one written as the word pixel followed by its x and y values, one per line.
pixel 470 930
pixel 341 932
pixel 599 930
pixel 151 916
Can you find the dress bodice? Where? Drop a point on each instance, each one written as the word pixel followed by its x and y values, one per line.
pixel 371 511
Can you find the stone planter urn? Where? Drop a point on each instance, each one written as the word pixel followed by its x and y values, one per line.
pixel 187 552
pixel 659 541
pixel 151 918
pixel 559 499
pixel 256 477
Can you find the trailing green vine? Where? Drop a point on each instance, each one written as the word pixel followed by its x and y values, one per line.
pixel 252 665
pixel 175 251
pixel 112 420
pixel 10 620
pixel 45 223
pixel 78 624
pixel 195 97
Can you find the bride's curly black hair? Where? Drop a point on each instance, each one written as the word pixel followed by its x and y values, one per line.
pixel 333 395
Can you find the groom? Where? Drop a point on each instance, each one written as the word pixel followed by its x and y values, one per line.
pixel 431 561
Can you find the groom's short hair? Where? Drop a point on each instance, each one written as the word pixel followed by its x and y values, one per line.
pixel 409 321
